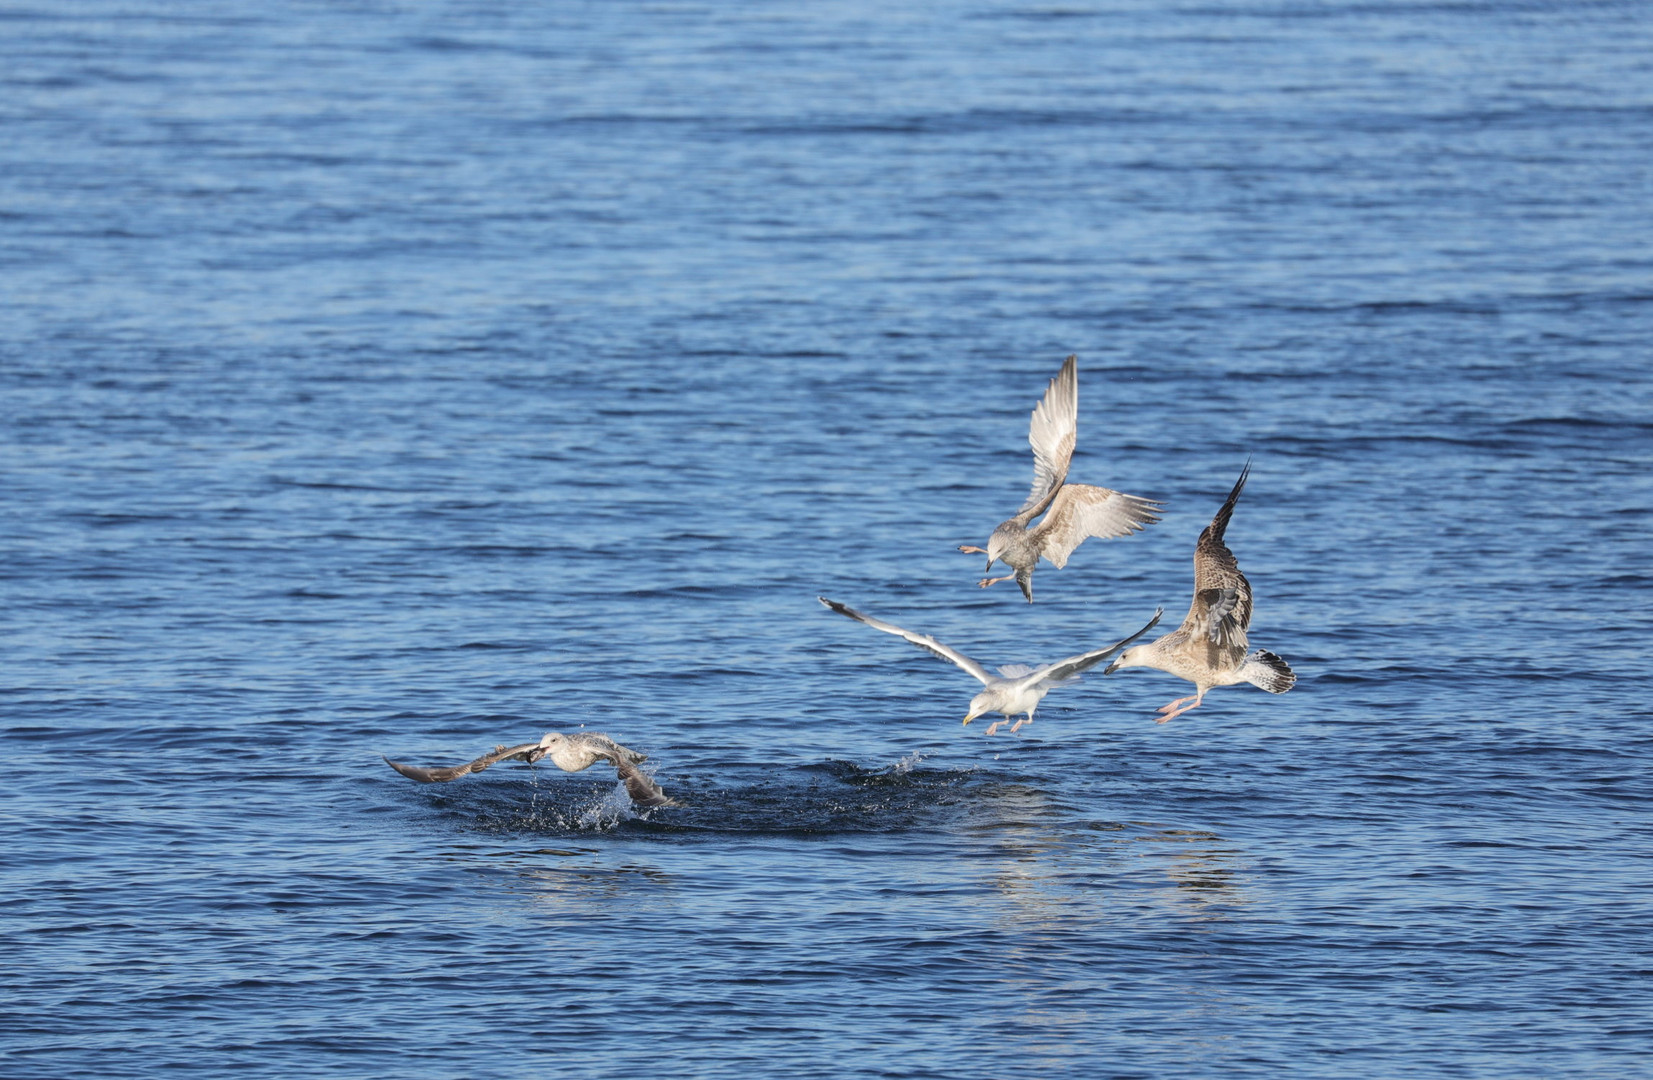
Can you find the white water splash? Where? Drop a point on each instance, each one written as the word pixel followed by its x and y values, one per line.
pixel 609 810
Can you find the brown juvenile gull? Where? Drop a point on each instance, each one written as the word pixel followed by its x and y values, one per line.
pixel 1075 511
pixel 1209 648
pixel 570 753
pixel 1017 688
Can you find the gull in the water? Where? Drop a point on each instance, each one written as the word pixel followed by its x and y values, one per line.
pixel 1072 512
pixel 1017 688
pixel 1209 648
pixel 570 753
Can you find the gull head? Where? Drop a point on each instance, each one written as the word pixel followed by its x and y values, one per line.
pixel 1135 656
pixel 1000 542
pixel 980 705
pixel 548 742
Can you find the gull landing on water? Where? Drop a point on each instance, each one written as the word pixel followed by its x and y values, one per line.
pixel 1209 648
pixel 1075 511
pixel 570 753
pixel 1017 688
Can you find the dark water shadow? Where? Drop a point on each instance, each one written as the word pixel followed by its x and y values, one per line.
pixel 826 799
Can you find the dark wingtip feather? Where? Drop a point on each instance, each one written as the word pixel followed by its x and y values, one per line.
pixel 643 790
pixel 1219 524
pixel 414 772
pixel 843 609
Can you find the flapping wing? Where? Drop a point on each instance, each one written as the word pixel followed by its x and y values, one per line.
pixel 1052 433
pixel 605 747
pixel 642 789
pixel 1221 611
pixel 1219 523
pixel 1080 511
pixel 1221 616
pixel 1073 665
pixel 526 752
pixel 923 641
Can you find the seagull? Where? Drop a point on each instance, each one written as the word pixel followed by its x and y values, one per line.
pixel 1076 511
pixel 570 753
pixel 1209 648
pixel 1017 688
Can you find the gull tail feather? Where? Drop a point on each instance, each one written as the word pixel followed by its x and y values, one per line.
pixel 1268 671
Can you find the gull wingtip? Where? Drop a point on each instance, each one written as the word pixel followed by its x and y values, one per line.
pixel 412 772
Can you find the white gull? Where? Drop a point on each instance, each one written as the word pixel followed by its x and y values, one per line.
pixel 1017 688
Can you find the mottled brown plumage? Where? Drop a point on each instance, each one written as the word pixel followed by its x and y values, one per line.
pixel 1209 649
pixel 1073 512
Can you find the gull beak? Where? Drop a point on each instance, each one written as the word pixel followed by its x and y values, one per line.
pixel 1109 670
pixel 969 717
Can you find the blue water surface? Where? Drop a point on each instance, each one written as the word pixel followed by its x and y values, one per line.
pixel 409 378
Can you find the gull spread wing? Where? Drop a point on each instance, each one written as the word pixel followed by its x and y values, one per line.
pixel 1080 511
pixel 603 746
pixel 923 641
pixel 1221 611
pixel 642 788
pixel 1052 433
pixel 525 752
pixel 1073 665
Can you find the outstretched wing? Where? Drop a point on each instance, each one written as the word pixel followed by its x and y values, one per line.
pixel 1081 511
pixel 605 747
pixel 525 752
pixel 1052 433
pixel 1221 610
pixel 1073 665
pixel 642 789
pixel 923 641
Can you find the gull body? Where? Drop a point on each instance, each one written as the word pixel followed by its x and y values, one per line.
pixel 1073 512
pixel 1210 648
pixel 1017 689
pixel 570 753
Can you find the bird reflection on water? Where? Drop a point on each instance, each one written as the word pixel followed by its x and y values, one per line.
pixel 587 887
pixel 1206 871
pixel 1066 889
pixel 1050 862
